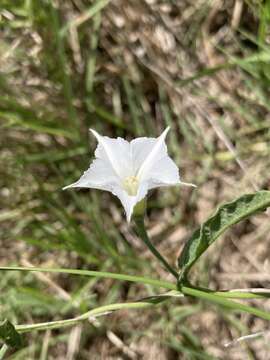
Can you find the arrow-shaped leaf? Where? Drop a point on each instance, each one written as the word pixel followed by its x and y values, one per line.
pixel 227 215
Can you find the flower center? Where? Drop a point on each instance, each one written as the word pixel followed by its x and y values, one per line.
pixel 131 184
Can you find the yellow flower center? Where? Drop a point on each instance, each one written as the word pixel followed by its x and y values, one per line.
pixel 131 184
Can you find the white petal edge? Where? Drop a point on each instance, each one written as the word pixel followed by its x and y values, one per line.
pixel 116 156
pixel 150 159
pixel 163 173
pixel 129 202
pixel 99 176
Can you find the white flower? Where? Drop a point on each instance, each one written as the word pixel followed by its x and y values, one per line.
pixel 130 169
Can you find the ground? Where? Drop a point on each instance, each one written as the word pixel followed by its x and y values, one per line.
pixel 131 68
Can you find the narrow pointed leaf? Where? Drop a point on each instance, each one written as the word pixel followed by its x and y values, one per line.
pixel 9 335
pixel 227 215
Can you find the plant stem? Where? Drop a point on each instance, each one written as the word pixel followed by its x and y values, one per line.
pixel 217 299
pixel 102 310
pixel 141 231
pixel 141 280
pixel 3 351
pixel 106 309
pixel 98 274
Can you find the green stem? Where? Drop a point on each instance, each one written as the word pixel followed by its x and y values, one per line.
pixel 98 274
pixel 141 231
pixel 217 299
pixel 106 309
pixel 235 294
pixel 141 280
pixel 3 351
pixel 102 310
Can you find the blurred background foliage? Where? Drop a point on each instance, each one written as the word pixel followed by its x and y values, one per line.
pixel 131 68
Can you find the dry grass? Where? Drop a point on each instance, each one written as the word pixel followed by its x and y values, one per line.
pixel 131 69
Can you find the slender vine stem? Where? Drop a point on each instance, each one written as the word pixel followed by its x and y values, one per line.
pixel 3 351
pixel 141 231
pixel 98 274
pixel 162 284
pixel 222 298
pixel 99 311
pixel 107 309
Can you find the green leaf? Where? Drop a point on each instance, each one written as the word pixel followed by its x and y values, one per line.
pixel 227 215
pixel 9 335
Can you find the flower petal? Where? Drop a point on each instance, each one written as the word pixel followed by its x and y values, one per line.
pixel 128 201
pixel 100 176
pixel 163 173
pixel 147 152
pixel 115 152
pixel 145 161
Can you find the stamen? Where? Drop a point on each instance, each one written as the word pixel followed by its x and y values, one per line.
pixel 131 184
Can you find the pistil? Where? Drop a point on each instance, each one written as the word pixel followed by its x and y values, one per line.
pixel 131 184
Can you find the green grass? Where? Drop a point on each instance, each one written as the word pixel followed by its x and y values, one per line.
pixel 49 99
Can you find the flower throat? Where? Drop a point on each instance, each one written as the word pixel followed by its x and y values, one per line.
pixel 131 184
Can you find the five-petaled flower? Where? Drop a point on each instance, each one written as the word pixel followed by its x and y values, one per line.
pixel 130 169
